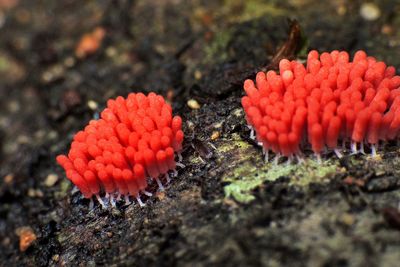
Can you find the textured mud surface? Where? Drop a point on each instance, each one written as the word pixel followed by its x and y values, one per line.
pixel 226 208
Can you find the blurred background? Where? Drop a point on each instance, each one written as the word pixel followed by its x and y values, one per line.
pixel 61 60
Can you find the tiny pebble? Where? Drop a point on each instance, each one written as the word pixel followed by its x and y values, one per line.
pixel 380 172
pixel 69 62
pixel 56 257
pixel 215 135
pixel 197 75
pixel 190 125
pixel 160 195
pixel 193 104
pixel 51 180
pixel 238 112
pixel 387 29
pixel 369 11
pixel 53 73
pixel 9 178
pixel 90 42
pixel 35 192
pixel 92 104
pixel 52 135
pixel 23 139
pixel 111 51
pixel 218 125
pixel 347 219
pixel 26 237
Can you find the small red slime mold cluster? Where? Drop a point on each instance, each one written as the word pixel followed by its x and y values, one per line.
pixel 329 99
pixel 135 138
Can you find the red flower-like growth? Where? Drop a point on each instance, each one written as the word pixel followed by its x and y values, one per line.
pixel 135 138
pixel 330 99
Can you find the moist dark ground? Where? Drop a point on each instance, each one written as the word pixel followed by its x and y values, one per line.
pixel 198 50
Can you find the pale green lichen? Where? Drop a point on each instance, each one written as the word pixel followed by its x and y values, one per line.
pixel 246 170
pixel 246 178
pixel 313 172
pixel 235 144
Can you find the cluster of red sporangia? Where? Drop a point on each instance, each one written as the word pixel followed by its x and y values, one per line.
pixel 134 139
pixel 330 99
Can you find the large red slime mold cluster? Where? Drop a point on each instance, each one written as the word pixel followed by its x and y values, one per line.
pixel 135 138
pixel 329 99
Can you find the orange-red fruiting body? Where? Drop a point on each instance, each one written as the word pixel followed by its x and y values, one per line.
pixel 134 138
pixel 331 98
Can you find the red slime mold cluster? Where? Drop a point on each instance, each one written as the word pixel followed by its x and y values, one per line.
pixel 331 98
pixel 134 138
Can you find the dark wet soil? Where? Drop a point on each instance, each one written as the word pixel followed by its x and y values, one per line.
pixel 184 50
